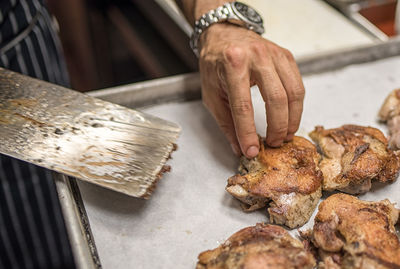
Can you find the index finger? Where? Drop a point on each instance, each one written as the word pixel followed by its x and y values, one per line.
pixel 238 87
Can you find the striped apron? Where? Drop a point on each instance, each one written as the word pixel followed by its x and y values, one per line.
pixel 32 229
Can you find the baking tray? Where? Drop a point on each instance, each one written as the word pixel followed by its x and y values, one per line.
pixel 158 226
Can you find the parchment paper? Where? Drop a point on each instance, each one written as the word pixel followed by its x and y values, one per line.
pixel 190 211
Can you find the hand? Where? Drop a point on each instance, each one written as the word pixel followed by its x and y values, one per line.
pixel 232 59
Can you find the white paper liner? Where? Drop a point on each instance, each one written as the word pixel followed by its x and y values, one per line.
pixel 190 211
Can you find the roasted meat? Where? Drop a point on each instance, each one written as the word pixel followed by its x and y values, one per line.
pixel 390 113
pixel 353 156
pixel 286 178
pixel 261 246
pixel 351 233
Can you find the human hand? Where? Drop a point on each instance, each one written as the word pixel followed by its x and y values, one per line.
pixel 231 60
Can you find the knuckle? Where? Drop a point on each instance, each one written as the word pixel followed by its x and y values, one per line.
pixel 235 55
pixel 277 97
pixel 297 94
pixel 242 107
pixel 259 48
pixel 245 135
pixel 280 131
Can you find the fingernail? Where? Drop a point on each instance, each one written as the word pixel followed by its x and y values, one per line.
pixel 252 152
pixel 235 149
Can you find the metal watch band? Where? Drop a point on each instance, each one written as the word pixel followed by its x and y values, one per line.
pixel 219 14
pixel 223 13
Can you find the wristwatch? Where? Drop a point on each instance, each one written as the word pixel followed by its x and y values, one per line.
pixel 236 12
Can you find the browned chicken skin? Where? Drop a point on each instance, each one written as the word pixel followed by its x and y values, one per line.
pixel 351 233
pixel 353 156
pixel 286 178
pixel 261 246
pixel 390 113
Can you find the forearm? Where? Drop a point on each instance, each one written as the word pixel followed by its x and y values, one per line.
pixel 193 9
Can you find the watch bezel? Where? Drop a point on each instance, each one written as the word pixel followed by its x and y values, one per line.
pixel 258 27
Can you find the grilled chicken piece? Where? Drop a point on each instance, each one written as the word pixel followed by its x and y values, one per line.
pixel 353 156
pixel 286 178
pixel 351 233
pixel 261 246
pixel 390 113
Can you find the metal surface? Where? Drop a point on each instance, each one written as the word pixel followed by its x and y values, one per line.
pixel 338 59
pixel 163 90
pixel 170 8
pixel 78 135
pixel 188 86
pixel 367 26
pixel 77 223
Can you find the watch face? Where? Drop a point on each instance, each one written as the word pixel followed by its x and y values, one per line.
pixel 248 12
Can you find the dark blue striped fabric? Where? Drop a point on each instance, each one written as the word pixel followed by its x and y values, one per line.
pixel 32 229
pixel 37 54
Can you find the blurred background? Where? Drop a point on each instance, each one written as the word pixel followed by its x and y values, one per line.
pixel 114 42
